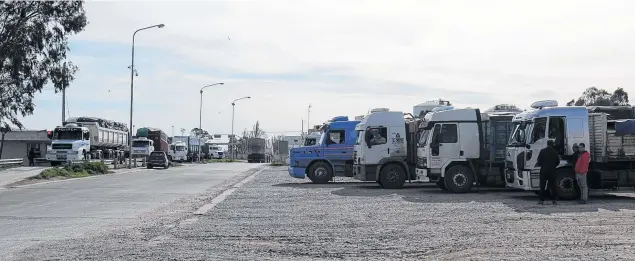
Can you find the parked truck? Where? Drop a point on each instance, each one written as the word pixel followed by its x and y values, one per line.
pixel 312 138
pixel 256 150
pixel 157 136
pixel 142 147
pixel 86 137
pixel 609 140
pixel 212 150
pixel 463 147
pixel 331 156
pixel 178 151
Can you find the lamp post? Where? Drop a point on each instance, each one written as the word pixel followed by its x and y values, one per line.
pixel 132 73
pixel 233 139
pixel 200 113
pixel 308 120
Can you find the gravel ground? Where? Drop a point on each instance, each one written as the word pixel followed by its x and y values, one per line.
pixel 275 217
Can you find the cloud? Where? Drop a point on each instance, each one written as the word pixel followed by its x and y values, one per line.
pixel 344 57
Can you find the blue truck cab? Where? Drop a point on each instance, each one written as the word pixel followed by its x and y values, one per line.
pixel 331 156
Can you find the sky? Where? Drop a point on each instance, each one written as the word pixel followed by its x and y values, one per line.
pixel 341 57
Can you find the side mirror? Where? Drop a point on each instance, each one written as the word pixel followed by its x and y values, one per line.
pixel 87 136
pixel 367 138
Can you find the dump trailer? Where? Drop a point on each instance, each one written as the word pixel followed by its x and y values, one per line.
pixel 86 137
pixel 609 140
pixel 256 150
pixel 331 156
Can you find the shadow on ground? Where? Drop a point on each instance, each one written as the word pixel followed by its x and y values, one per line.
pixel 519 201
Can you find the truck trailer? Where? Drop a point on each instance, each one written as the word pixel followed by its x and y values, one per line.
pixel 331 156
pixel 86 137
pixel 256 150
pixel 609 140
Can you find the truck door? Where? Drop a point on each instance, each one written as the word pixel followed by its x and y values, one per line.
pixel 557 133
pixel 445 145
pixel 376 144
pixel 537 142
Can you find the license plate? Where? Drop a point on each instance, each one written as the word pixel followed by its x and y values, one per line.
pixel 62 152
pixel 61 156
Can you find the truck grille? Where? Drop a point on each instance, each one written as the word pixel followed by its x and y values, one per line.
pixel 62 146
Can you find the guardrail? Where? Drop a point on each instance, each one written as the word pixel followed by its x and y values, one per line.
pixel 9 162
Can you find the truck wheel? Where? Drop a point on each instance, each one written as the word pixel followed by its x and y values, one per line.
pixel 441 184
pixel 55 163
pixel 392 176
pixel 320 173
pixel 149 166
pixel 565 185
pixel 167 165
pixel 459 179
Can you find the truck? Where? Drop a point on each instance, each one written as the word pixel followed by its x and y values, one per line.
pixel 459 148
pixel 86 137
pixel 256 150
pixel 194 145
pixel 331 156
pixel 212 150
pixel 157 136
pixel 609 140
pixel 142 147
pixel 312 138
pixel 178 151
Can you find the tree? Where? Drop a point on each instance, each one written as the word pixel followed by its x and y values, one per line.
pixel 33 44
pixel 3 131
pixel 199 133
pixel 593 96
pixel 275 140
pixel 257 132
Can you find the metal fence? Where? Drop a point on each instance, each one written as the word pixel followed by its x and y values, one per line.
pixel 10 162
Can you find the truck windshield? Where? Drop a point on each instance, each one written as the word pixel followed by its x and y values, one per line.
pixel 424 138
pixel 180 148
pixel 140 143
pixel 518 136
pixel 68 135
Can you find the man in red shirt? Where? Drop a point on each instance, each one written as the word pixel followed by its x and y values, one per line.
pixel 581 169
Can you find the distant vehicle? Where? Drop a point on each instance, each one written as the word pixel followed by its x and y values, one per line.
pixel 94 137
pixel 178 151
pixel 331 156
pixel 608 134
pixel 158 159
pixel 142 147
pixel 157 136
pixel 312 139
pixel 212 151
pixel 256 150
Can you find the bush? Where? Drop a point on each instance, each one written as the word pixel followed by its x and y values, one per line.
pixel 219 160
pixel 74 171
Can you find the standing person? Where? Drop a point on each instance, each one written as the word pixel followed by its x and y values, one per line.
pixel 31 156
pixel 548 160
pixel 581 169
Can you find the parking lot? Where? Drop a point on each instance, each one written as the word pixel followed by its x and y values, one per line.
pixel 276 217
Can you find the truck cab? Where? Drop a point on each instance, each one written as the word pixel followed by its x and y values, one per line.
pixel 142 147
pixel 331 156
pixel 178 151
pixel 381 151
pixel 69 143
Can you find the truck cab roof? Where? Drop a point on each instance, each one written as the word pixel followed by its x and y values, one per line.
pixel 570 111
pixel 386 118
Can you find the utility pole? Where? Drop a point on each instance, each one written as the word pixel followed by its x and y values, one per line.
pixel 63 105
pixel 308 120
pixel 302 132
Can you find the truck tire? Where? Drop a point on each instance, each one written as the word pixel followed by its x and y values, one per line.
pixel 392 176
pixel 320 173
pixel 565 185
pixel 441 184
pixel 149 166
pixel 167 165
pixel 55 163
pixel 459 179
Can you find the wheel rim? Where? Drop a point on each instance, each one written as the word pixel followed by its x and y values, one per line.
pixel 459 179
pixel 320 172
pixel 566 185
pixel 393 176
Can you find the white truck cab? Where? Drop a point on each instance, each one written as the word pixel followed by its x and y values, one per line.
pixel 142 147
pixel 381 149
pixel 178 151
pixel 69 143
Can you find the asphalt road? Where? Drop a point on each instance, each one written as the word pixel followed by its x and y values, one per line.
pixel 275 217
pixel 75 209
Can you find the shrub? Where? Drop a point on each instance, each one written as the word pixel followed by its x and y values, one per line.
pixel 74 171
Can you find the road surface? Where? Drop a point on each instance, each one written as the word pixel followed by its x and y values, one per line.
pixel 275 217
pixel 74 209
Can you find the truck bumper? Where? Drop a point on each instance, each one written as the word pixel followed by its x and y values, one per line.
pixel 365 172
pixel 422 175
pixel 63 157
pixel 297 172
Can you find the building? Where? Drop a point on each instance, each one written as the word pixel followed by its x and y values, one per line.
pixel 17 143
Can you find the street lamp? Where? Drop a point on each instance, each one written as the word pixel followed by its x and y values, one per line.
pixel 132 73
pixel 200 113
pixel 233 141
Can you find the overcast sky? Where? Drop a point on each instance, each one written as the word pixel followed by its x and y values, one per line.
pixel 343 57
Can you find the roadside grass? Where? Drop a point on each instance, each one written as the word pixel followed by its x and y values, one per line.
pixel 74 171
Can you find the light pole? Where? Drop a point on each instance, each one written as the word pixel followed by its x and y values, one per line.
pixel 132 73
pixel 172 131
pixel 308 120
pixel 233 139
pixel 200 113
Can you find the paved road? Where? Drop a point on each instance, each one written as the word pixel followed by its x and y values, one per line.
pixel 275 217
pixel 79 208
pixel 8 176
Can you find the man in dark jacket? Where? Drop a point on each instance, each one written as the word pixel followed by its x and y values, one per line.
pixel 548 160
pixel 31 156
